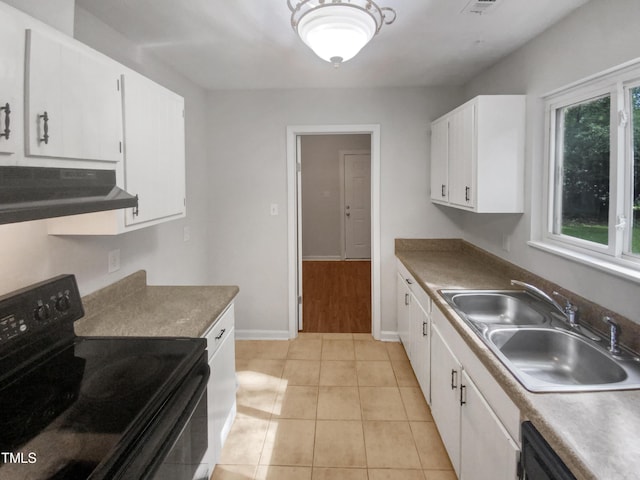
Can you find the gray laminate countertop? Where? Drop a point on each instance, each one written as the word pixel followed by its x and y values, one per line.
pixel 597 434
pixel 130 307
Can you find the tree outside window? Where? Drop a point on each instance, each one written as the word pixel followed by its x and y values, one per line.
pixel 585 170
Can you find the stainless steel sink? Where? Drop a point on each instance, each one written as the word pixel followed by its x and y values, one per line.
pixel 544 353
pixel 556 357
pixel 493 308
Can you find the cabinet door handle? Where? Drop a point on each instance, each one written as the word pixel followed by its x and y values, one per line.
pixel 406 299
pixel 463 396
pixel 454 379
pixel 45 128
pixel 7 120
pixel 424 329
pixel 408 280
pixel 220 334
pixel 443 186
pixel 136 209
pixel 466 193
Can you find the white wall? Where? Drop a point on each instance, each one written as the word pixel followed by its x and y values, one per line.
pixel 247 139
pixel 28 254
pixel 599 35
pixel 321 205
pixel 57 13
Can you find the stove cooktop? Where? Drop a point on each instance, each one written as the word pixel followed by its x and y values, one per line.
pixel 78 404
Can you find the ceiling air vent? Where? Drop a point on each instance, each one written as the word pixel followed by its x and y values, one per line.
pixel 481 7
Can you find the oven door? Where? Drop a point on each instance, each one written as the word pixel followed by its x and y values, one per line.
pixel 185 459
pixel 173 447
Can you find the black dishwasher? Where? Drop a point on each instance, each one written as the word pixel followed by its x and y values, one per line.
pixel 538 460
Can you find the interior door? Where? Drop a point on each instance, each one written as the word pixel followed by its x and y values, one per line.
pixel 299 226
pixel 357 209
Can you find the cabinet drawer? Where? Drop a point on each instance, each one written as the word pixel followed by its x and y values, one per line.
pixel 220 330
pixel 414 286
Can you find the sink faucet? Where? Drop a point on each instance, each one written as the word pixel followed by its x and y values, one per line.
pixel 538 293
pixel 614 332
pixel 569 311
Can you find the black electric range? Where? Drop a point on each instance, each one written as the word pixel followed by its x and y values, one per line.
pixel 89 407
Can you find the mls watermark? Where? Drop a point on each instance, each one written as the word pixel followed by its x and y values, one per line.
pixel 18 457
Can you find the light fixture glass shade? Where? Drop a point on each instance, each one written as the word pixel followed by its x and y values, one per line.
pixel 336 33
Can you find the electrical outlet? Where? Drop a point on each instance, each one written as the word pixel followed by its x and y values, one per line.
pixel 506 242
pixel 274 209
pixel 114 260
pixel 186 234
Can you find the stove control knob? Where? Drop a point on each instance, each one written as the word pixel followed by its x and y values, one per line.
pixel 42 312
pixel 63 303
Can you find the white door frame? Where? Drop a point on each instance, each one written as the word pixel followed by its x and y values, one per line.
pixel 294 226
pixel 343 238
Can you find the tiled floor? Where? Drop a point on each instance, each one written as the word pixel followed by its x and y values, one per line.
pixel 330 407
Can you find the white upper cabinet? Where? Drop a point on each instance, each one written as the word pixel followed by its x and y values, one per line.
pixel 461 139
pixel 72 100
pixel 153 167
pixel 11 61
pixel 439 161
pixel 154 150
pixel 477 155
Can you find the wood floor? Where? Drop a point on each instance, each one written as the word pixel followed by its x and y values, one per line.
pixel 336 296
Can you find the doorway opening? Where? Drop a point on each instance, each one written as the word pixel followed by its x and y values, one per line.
pixel 355 245
pixel 335 201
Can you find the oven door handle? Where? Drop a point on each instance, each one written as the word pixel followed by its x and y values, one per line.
pixel 152 447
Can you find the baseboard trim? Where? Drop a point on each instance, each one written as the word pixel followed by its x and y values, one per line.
pixel 262 334
pixel 389 336
pixel 326 258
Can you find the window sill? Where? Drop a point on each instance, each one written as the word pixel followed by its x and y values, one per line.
pixel 619 268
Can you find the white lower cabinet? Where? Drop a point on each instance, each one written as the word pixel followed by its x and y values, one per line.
pixel 221 389
pixel 445 395
pixel 479 445
pixel 414 324
pixel 403 310
pixel 421 348
pixel 476 419
pixel 487 450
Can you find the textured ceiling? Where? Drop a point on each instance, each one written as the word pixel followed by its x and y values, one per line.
pixel 238 44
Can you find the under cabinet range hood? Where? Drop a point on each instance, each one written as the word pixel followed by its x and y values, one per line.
pixel 34 193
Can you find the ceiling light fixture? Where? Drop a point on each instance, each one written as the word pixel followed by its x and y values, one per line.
pixel 336 30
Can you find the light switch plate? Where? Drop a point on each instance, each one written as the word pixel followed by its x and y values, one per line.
pixel 114 260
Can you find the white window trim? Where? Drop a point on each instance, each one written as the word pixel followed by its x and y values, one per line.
pixel 616 82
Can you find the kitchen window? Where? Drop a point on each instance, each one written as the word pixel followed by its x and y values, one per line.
pixel 593 157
